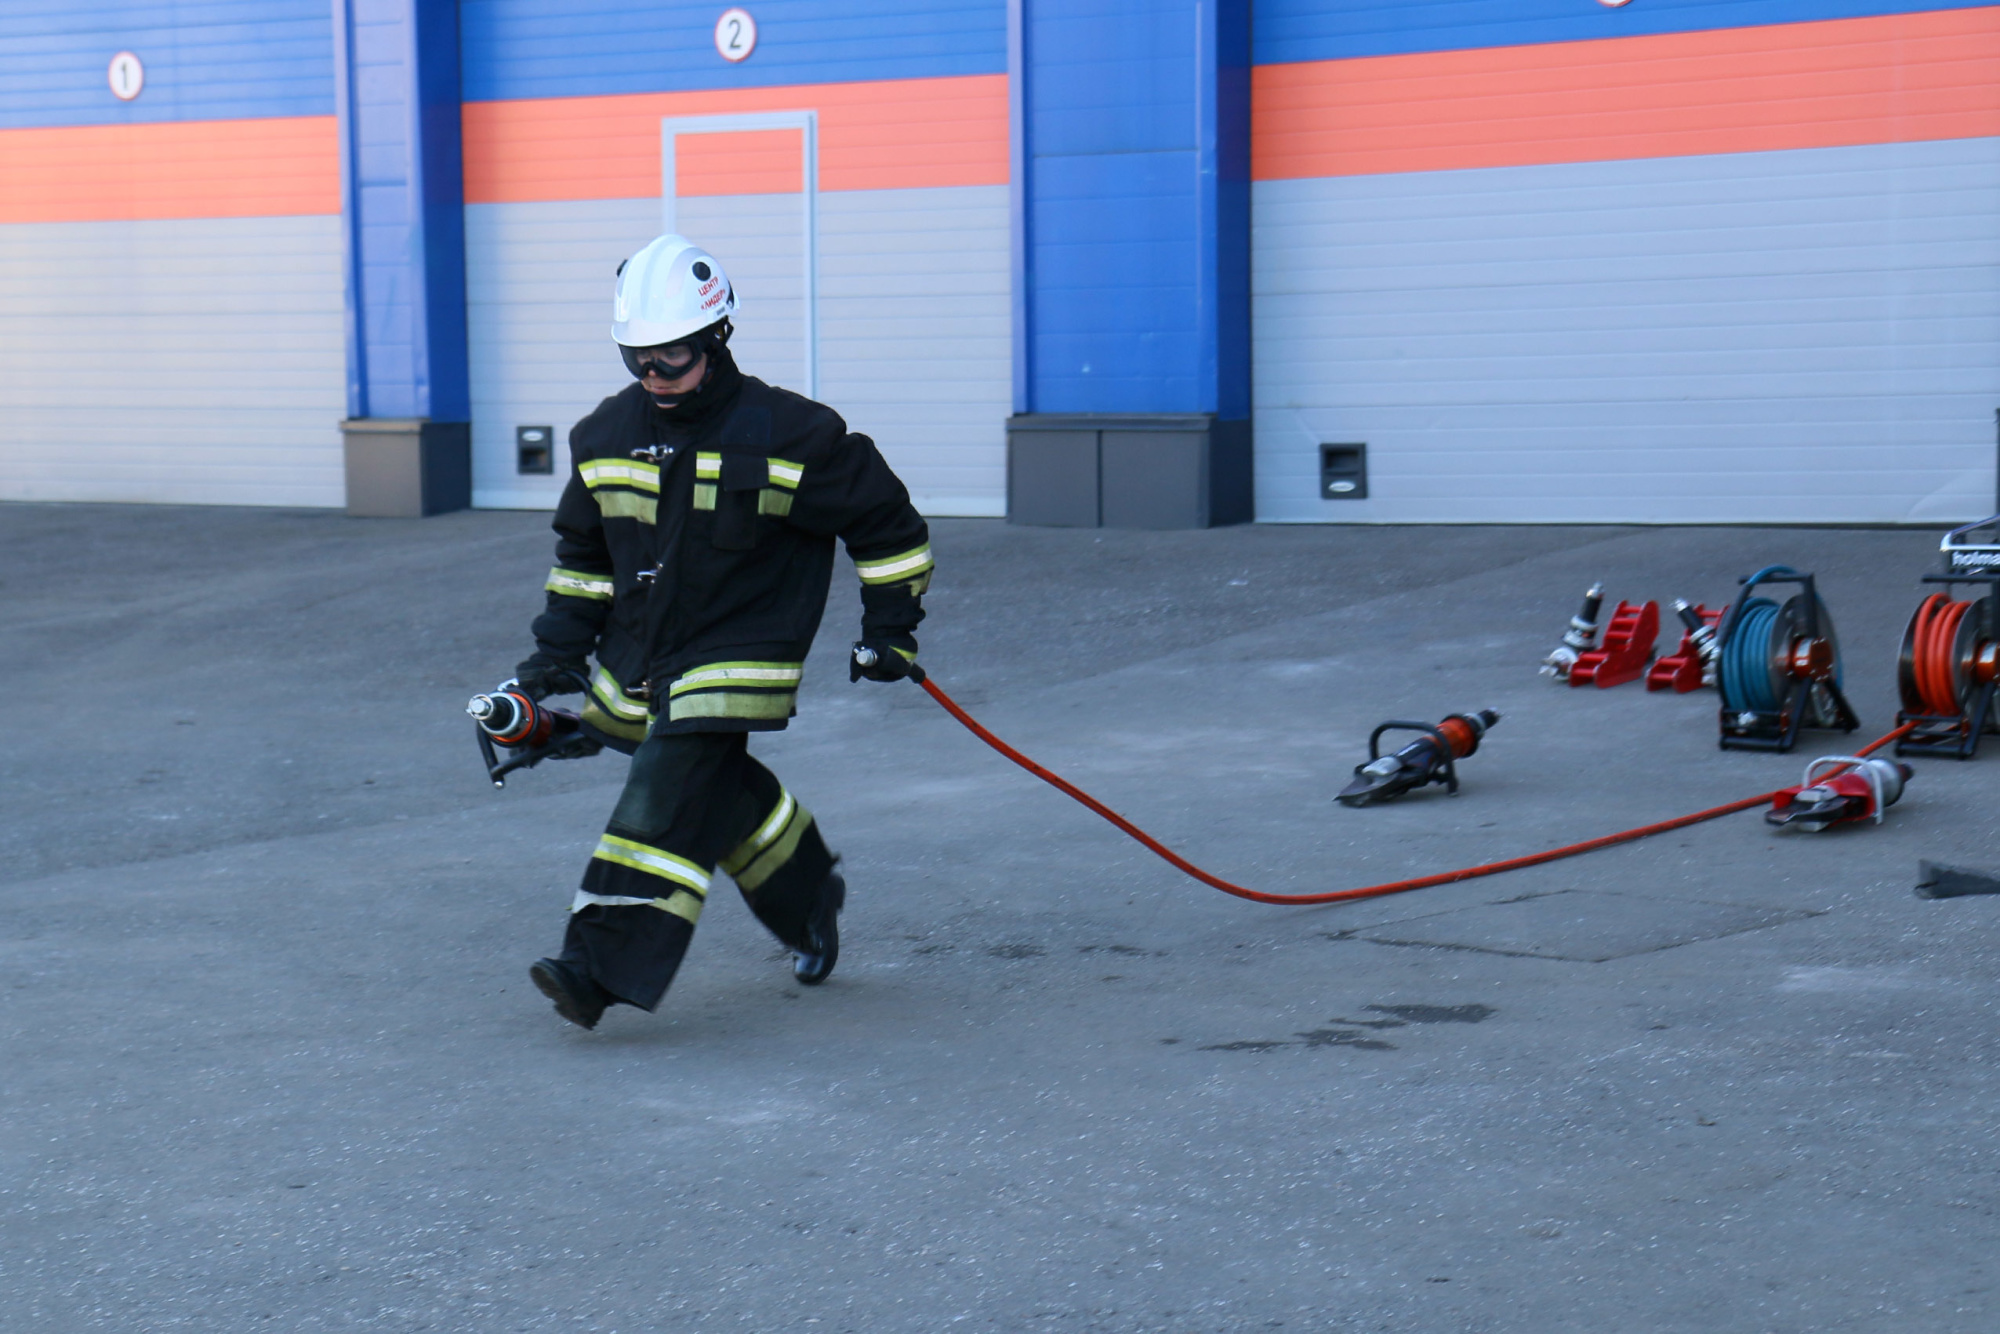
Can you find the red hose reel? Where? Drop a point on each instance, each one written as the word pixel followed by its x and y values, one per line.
pixel 1949 667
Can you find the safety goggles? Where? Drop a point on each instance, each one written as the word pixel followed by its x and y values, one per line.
pixel 669 361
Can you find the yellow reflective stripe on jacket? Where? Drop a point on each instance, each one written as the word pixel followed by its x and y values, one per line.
pixel 773 501
pixel 752 675
pixel 623 489
pixel 682 903
pixel 604 688
pixel 577 584
pixel 708 465
pixel 894 569
pixel 628 505
pixel 704 495
pixel 633 473
pixel 731 704
pixel 785 473
pixel 653 861
pixel 751 690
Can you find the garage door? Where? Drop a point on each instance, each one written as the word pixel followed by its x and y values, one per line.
pixel 1724 275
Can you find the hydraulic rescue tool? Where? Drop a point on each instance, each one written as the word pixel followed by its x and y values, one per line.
pixel 1428 759
pixel 1692 665
pixel 531 732
pixel 1862 790
pixel 1779 666
pixel 1580 638
pixel 1949 668
pixel 1629 637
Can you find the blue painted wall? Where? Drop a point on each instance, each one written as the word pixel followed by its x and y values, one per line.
pixel 1291 30
pixel 205 60
pixel 535 48
pixel 1135 261
pixel 402 186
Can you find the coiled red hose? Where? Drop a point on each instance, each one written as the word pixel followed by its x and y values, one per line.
pixel 1370 891
pixel 1933 637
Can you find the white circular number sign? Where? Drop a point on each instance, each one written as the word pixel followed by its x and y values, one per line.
pixel 735 34
pixel 126 75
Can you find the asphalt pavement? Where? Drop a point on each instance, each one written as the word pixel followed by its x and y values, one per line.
pixel 272 1061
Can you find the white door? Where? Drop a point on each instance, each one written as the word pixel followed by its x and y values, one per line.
pixel 745 188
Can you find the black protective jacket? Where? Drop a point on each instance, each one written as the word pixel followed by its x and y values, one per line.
pixel 694 548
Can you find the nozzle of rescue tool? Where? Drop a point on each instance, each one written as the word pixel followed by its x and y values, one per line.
pixel 1861 791
pixel 1428 759
pixel 512 719
pixel 1578 639
pixel 1702 635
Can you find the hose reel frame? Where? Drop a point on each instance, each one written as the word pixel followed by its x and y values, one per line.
pixel 1966 669
pixel 1799 662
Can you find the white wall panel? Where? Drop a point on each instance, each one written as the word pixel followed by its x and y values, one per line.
pixel 1809 336
pixel 191 361
pixel 914 323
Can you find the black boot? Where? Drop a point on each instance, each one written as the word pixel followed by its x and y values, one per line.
pixel 813 963
pixel 578 998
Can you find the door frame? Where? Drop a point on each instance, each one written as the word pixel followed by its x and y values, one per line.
pixel 807 124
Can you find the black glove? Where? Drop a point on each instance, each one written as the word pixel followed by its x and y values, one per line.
pixel 542 676
pixel 884 658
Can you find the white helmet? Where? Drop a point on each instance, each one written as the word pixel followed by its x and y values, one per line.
pixel 667 291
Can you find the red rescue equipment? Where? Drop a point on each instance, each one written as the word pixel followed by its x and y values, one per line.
pixel 1628 646
pixel 1692 665
pixel 531 732
pixel 1949 668
pixel 1187 867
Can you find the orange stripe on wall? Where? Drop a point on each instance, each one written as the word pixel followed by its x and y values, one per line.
pixel 744 162
pixel 177 169
pixel 1895 79
pixel 892 134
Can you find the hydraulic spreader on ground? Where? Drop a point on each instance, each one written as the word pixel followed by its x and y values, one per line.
pixel 531 732
pixel 1692 665
pixel 1949 668
pixel 1778 666
pixel 1428 759
pixel 1861 790
pixel 1629 637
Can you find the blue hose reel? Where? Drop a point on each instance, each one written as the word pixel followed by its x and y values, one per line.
pixel 1779 668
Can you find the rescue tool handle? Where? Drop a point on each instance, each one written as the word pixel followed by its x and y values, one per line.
pixel 1444 748
pixel 865 657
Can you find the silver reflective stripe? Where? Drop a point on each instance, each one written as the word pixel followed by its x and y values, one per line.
pixel 772 674
pixel 612 472
pixel 657 861
pixel 584 900
pixel 777 820
pixel 606 690
pixel 892 568
pixel 583 585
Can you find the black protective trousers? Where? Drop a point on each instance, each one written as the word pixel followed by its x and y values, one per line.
pixel 692 802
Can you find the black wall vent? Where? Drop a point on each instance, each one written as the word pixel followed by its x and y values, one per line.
pixel 535 449
pixel 1343 472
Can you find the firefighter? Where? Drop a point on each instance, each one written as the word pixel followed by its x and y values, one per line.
pixel 694 547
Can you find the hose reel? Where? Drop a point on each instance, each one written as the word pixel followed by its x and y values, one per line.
pixel 1778 666
pixel 1950 660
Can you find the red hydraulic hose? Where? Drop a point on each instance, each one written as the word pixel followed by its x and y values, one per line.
pixel 1370 891
pixel 1935 634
